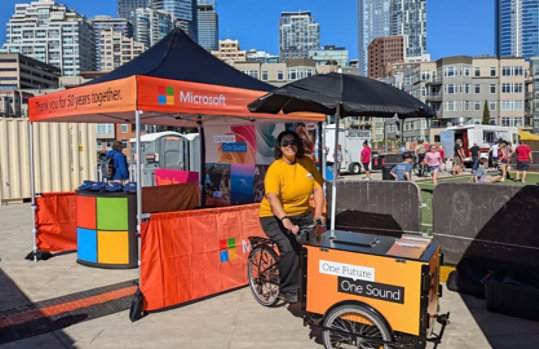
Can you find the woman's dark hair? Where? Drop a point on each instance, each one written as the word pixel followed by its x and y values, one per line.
pixel 277 152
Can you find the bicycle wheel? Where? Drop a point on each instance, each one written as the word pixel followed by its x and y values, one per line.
pixel 348 320
pixel 263 275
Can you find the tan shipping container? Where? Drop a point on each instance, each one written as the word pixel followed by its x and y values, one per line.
pixel 64 155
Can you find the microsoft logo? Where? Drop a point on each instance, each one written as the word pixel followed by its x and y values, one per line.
pixel 227 250
pixel 165 95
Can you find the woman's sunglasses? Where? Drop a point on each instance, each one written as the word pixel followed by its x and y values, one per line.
pixel 287 143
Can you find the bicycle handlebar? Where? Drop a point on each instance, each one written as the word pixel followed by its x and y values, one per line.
pixel 306 231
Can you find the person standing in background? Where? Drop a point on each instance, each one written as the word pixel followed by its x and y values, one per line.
pixel 503 156
pixel 308 144
pixel 524 159
pixel 458 156
pixel 474 150
pixel 493 151
pixel 366 159
pixel 442 155
pixel 119 161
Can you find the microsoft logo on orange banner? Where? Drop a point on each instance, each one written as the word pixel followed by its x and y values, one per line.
pixel 227 249
pixel 165 95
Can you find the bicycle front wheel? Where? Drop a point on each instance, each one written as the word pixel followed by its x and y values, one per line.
pixel 354 326
pixel 263 275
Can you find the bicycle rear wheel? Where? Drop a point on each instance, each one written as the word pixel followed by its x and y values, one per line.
pixel 263 275
pixel 347 322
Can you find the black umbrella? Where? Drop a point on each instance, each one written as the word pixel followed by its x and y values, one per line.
pixel 355 95
pixel 341 95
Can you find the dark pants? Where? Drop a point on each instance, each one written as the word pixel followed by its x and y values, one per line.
pixel 288 247
pixel 475 160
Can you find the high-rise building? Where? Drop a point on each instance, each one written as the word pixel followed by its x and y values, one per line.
pixel 185 14
pixel 374 22
pixel 51 33
pixel 127 8
pixel 379 18
pixel 152 25
pixel 208 30
pixel 117 25
pixel 330 55
pixel 298 34
pixel 517 28
pixel 385 50
pixel 119 49
pixel 409 17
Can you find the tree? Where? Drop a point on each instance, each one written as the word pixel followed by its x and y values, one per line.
pixel 486 114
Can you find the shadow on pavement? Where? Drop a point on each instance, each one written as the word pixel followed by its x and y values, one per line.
pixel 14 328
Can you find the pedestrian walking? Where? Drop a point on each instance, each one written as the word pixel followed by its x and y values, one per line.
pixel 493 152
pixel 433 159
pixel 503 157
pixel 366 159
pixel 458 157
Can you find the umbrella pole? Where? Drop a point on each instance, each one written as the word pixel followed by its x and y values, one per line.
pixel 139 185
pixel 33 189
pixel 335 164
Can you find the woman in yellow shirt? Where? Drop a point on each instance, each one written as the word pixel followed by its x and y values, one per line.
pixel 289 182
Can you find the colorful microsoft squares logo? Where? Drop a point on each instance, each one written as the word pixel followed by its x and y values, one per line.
pixel 227 249
pixel 165 95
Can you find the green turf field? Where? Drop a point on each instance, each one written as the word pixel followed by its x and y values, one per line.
pixel 427 188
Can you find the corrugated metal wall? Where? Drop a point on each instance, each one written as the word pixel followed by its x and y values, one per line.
pixel 64 155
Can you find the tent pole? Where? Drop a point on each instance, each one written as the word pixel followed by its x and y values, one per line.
pixel 139 184
pixel 335 164
pixel 323 153
pixel 202 169
pixel 33 188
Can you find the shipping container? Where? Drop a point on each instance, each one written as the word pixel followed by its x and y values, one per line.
pixel 64 155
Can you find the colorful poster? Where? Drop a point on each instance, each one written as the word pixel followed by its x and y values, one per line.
pixel 242 177
pixel 231 144
pixel 266 136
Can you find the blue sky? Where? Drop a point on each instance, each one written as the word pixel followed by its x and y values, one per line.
pixel 454 27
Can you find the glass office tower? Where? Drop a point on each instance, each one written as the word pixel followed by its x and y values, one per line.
pixel 207 24
pixel 517 28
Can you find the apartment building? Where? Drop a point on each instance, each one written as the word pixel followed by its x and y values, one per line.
pixel 51 33
pixel 117 49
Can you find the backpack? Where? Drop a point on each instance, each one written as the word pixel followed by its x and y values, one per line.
pixel 107 166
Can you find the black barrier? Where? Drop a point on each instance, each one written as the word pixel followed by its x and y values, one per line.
pixel 393 158
pixel 377 207
pixel 498 223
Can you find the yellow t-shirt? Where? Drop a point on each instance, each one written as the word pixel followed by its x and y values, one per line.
pixel 293 184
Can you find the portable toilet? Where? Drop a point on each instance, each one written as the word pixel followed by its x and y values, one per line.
pixel 162 150
pixel 193 151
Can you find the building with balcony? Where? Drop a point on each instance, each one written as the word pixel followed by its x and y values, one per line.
pixel 534 93
pixel 118 49
pixel 254 55
pixel 298 34
pixel 115 25
pixel 51 33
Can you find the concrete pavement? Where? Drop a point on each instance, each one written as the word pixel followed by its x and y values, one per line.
pixel 231 320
